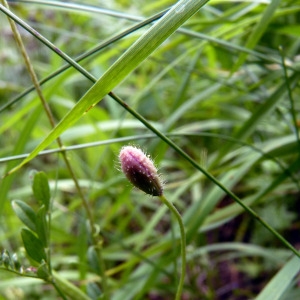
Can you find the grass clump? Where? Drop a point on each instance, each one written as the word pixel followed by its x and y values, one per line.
pixel 209 89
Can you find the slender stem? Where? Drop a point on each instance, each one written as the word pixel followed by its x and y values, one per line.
pixel 173 238
pixel 183 244
pixel 292 105
pixel 18 273
pixel 57 288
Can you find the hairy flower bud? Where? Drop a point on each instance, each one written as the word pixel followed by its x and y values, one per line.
pixel 140 170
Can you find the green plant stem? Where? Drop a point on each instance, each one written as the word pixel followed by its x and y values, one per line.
pixel 47 109
pixel 58 289
pixel 174 210
pixel 18 273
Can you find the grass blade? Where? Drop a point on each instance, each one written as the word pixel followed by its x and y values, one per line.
pixel 258 31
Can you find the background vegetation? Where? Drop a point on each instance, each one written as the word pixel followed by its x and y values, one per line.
pixel 224 88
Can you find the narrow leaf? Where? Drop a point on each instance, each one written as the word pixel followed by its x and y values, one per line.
pixel 25 213
pixel 93 260
pixel 33 246
pixel 258 31
pixel 41 189
pixel 93 290
pixel 131 59
pixel 275 289
pixel 41 226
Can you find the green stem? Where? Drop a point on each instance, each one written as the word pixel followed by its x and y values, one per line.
pixel 102 272
pixel 183 244
pixel 58 290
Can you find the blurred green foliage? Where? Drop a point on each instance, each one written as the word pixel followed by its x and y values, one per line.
pixel 218 88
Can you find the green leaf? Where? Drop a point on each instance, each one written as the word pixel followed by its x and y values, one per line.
pixel 41 189
pixel 93 290
pixel 72 291
pixel 275 289
pixel 25 213
pixel 93 260
pixel 41 226
pixel 33 246
pixel 43 271
pixel 130 60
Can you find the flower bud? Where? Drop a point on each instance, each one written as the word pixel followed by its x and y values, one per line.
pixel 140 170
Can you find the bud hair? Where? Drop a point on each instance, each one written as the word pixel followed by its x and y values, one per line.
pixel 140 170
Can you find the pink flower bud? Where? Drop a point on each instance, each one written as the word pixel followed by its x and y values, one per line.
pixel 140 170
